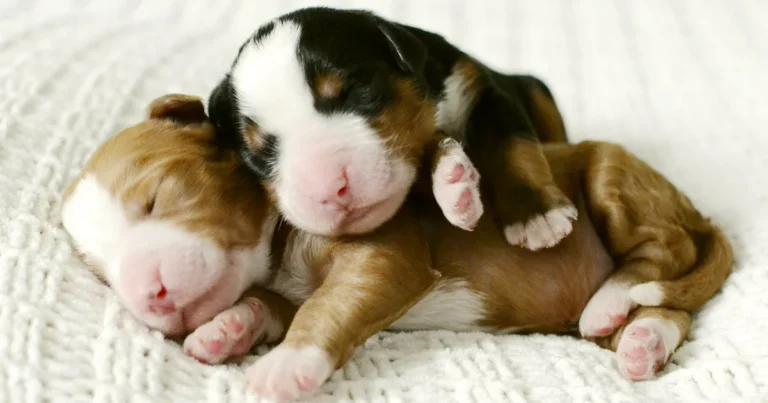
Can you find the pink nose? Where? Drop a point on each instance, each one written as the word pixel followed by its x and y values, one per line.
pixel 337 194
pixel 330 187
pixel 158 303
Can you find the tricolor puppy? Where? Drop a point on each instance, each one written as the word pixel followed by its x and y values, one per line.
pixel 337 110
pixel 179 228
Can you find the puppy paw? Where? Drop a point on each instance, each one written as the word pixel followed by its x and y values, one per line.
pixel 542 231
pixel 285 372
pixel 644 347
pixel 455 184
pixel 230 334
pixel 605 311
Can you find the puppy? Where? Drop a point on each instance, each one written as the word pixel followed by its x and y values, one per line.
pixel 180 229
pixel 336 110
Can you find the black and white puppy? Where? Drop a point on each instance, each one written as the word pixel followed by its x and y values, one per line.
pixel 337 110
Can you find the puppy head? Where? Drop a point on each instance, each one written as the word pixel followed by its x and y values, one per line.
pixel 174 223
pixel 330 110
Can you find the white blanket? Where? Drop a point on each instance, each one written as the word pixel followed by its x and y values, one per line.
pixel 684 84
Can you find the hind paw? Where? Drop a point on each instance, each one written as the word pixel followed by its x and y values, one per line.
pixel 606 311
pixel 645 346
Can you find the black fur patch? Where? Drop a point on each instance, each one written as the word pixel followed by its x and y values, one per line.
pixel 368 53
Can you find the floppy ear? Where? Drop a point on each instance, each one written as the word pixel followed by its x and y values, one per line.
pixel 409 51
pixel 182 108
pixel 221 105
pixel 222 109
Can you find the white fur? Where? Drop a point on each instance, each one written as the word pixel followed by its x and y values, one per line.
pixel 255 262
pixel 138 256
pixel 94 219
pixel 159 248
pixel 542 231
pixel 452 305
pixel 647 294
pixel 232 332
pixel 454 108
pixel 315 149
pixel 284 373
pixel 638 355
pixel 293 280
pixel 447 194
pixel 199 344
pixel 605 310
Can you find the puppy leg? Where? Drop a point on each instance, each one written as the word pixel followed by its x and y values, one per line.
pixel 651 230
pixel 453 181
pixel 540 106
pixel 371 281
pixel 533 212
pixel 609 308
pixel 259 317
pixel 645 344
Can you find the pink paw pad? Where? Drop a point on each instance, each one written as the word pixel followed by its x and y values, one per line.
pixel 214 346
pixel 456 174
pixel 456 187
pixel 229 334
pixel 234 326
pixel 641 352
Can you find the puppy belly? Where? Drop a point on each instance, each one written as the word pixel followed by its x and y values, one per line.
pixel 492 286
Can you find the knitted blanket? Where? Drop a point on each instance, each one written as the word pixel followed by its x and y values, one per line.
pixel 683 84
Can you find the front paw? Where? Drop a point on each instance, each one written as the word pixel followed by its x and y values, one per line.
pixel 231 333
pixel 542 230
pixel 455 184
pixel 286 372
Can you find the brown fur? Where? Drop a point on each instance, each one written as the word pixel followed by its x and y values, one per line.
pixel 528 182
pixel 542 290
pixel 546 117
pixel 181 108
pixel 682 320
pixel 253 137
pixel 280 308
pixel 518 177
pixel 407 125
pixel 473 82
pixel 369 281
pixel 329 85
pixel 657 235
pixel 473 77
pixel 171 170
pixel 630 218
pixel 523 291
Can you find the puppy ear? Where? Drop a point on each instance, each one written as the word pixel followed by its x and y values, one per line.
pixel 409 51
pixel 182 108
pixel 221 107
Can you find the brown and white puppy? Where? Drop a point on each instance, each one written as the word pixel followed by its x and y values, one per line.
pixel 334 109
pixel 640 259
pixel 151 215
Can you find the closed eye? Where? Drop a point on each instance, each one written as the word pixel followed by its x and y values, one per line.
pixel 149 208
pixel 151 205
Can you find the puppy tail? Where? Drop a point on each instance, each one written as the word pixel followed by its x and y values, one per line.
pixel 691 291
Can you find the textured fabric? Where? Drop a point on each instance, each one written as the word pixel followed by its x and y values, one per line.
pixel 684 84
